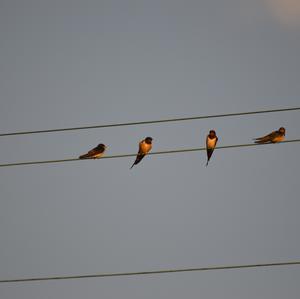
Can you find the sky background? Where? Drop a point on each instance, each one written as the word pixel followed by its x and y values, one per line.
pixel 73 63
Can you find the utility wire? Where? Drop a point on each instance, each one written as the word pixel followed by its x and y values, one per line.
pixel 133 155
pixel 148 122
pixel 118 274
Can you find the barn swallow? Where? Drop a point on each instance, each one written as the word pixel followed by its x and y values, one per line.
pixel 274 137
pixel 144 148
pixel 95 153
pixel 211 142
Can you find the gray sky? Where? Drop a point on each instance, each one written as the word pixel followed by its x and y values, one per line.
pixel 72 63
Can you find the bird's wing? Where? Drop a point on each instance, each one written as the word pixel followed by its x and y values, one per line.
pixel 94 151
pixel 267 138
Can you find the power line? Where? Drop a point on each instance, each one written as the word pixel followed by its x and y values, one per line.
pixel 133 155
pixel 148 122
pixel 164 271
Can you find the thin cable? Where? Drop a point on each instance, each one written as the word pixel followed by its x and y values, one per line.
pixel 118 274
pixel 148 122
pixel 133 155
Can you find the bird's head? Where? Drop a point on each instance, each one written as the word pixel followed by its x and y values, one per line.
pixel 282 131
pixel 148 140
pixel 212 133
pixel 101 146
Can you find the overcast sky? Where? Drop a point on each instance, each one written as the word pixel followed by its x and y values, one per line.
pixel 72 63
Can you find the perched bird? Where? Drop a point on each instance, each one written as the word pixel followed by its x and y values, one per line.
pixel 95 153
pixel 274 137
pixel 211 142
pixel 144 147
